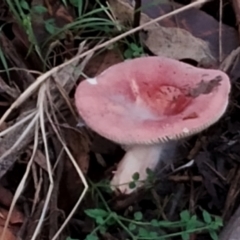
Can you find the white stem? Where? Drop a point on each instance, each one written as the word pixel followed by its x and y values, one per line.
pixel 136 160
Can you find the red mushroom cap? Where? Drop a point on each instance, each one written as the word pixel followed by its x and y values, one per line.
pixel 152 99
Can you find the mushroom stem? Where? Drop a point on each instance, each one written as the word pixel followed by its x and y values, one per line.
pixel 137 159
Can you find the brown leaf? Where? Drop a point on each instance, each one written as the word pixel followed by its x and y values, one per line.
pixel 79 145
pixel 102 61
pixel 169 42
pixel 8 234
pixel 71 185
pixel 16 216
pixel 200 24
pixel 5 196
pixel 40 159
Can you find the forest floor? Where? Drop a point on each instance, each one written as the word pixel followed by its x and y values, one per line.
pixel 55 175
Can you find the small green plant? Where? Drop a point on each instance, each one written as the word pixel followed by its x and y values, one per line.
pixel 133 51
pixel 138 229
pixel 148 183
pixel 88 22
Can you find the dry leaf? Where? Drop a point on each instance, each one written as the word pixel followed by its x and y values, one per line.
pixel 102 61
pixel 79 146
pixel 5 196
pixel 71 185
pixel 40 159
pixel 8 234
pixel 16 216
pixel 169 42
pixel 198 23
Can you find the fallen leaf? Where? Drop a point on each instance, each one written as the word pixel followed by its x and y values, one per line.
pixel 5 196
pixel 178 44
pixel 79 145
pixel 198 23
pixel 8 234
pixel 71 185
pixel 40 159
pixel 102 61
pixel 16 216
pixel 169 42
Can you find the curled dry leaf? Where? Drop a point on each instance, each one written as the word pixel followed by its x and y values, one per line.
pixel 16 217
pixel 40 159
pixel 169 42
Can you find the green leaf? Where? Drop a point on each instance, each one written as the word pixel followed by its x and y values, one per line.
pixel 91 237
pixel 213 235
pixel 218 221
pixel 132 185
pixel 155 223
pixel 137 54
pixel 135 176
pixel 150 175
pixel 153 234
pixel 134 47
pixel 39 9
pixel 50 26
pixel 24 5
pixel 96 212
pixel 132 226
pixel 185 215
pixel 142 232
pixel 138 216
pixel 128 53
pixel 206 217
pixel 99 220
pixel 111 221
pixel 185 236
pixel 214 226
pixel 192 223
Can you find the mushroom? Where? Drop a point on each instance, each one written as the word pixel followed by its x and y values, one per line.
pixel 147 102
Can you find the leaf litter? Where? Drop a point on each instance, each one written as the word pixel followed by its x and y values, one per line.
pixel 171 42
pixel 41 125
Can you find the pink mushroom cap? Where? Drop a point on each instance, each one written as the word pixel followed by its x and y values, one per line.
pixel 152 99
